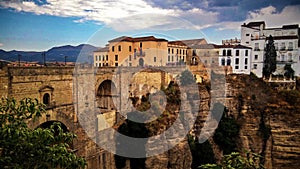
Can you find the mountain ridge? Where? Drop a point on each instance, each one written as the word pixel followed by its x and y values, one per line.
pixel 55 54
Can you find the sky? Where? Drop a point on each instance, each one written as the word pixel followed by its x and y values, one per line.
pixel 39 25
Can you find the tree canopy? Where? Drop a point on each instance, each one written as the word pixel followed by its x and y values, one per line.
pixel 40 148
pixel 270 58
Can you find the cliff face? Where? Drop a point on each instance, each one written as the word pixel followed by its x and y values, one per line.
pixel 270 126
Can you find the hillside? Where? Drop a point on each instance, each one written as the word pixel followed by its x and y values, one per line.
pixel 52 55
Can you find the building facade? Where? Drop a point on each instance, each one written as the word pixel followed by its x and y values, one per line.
pixel 236 56
pixel 145 51
pixel 286 42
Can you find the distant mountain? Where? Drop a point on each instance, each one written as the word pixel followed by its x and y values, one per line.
pixel 52 55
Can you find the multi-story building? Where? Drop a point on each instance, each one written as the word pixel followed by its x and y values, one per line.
pixel 145 51
pixel 177 53
pixel 236 56
pixel 286 41
pixel 128 51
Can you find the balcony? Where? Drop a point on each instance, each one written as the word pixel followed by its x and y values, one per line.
pixel 282 48
pixel 140 53
pixel 290 49
pixel 256 49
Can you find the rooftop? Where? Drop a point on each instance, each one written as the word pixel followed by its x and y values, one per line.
pixel 136 39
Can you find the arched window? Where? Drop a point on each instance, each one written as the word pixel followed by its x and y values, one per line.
pixel 46 99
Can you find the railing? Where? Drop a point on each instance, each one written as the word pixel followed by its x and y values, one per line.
pixel 282 48
pixel 140 53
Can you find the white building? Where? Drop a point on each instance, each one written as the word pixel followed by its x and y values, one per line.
pixel 286 41
pixel 236 56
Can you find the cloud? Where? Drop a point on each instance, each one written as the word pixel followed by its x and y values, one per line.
pixel 1 44
pixel 124 15
pixel 120 14
pixel 273 18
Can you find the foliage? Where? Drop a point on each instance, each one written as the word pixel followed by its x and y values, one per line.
pixel 202 152
pixel 289 72
pixel 22 147
pixel 270 58
pixel 290 96
pixel 236 161
pixel 227 131
pixel 186 78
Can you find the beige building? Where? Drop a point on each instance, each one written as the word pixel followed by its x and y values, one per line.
pixel 146 51
pixel 128 51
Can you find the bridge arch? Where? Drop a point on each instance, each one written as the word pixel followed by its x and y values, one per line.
pixel 104 95
pixel 51 115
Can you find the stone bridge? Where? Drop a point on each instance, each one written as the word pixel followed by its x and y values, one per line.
pixel 70 92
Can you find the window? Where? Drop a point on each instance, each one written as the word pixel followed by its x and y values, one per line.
pixel 129 49
pixel 237 53
pixel 141 44
pixel 180 51
pixel 168 58
pixel 255 66
pixel 246 61
pixel 96 64
pixel 237 60
pixel 182 58
pixel 154 59
pixel 116 64
pixel 224 52
pixel 119 48
pixel 223 61
pixel 169 50
pixel 106 57
pixel 255 57
pixel 247 42
pixel 106 64
pixel 96 57
pixel 247 34
pixel 236 67
pixel 172 58
pixel 177 51
pixel 228 62
pixel 116 57
pixel 99 65
pixel 282 46
pixel 246 67
pixel 129 57
pixel 229 52
pixel 256 47
pixel 172 51
pixel 290 46
pixel 46 99
pixel 276 46
pixel 246 52
pixel 130 64
pixel 113 48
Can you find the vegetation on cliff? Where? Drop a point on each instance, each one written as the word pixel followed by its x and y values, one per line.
pixel 40 148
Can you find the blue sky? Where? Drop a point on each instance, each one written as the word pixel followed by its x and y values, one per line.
pixel 41 24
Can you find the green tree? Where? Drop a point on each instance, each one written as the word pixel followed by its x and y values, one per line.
pixel 228 129
pixel 289 72
pixel 236 161
pixel 22 147
pixel 187 78
pixel 270 58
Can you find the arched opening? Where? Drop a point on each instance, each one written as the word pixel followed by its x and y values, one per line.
pixel 64 128
pixel 194 61
pixel 141 62
pixel 105 93
pixel 46 99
